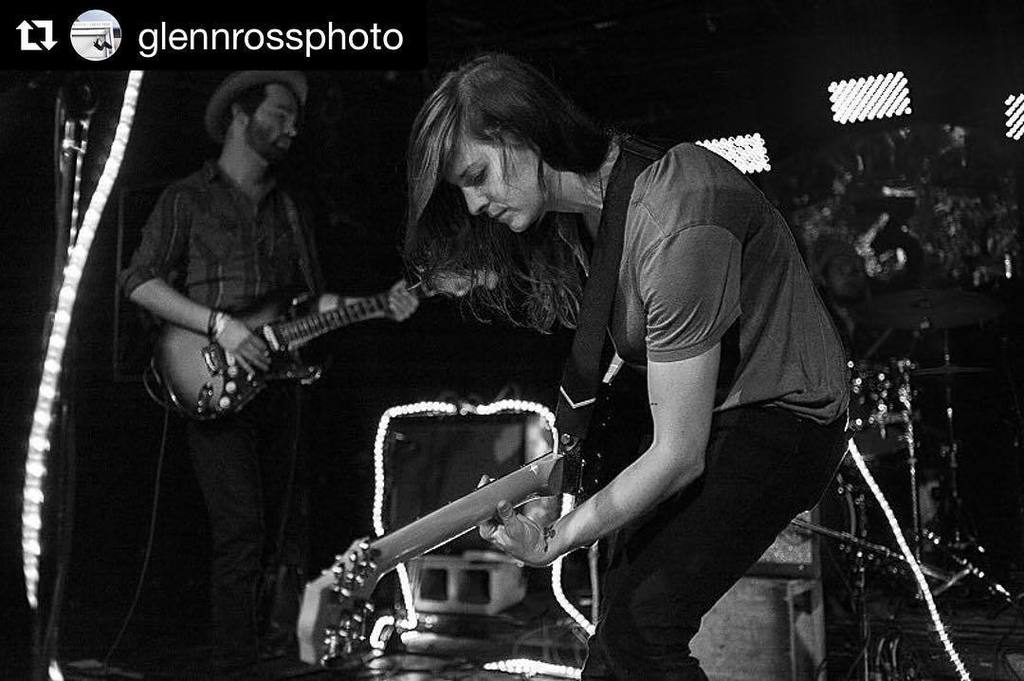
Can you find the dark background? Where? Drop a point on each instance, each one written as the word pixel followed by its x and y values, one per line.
pixel 679 70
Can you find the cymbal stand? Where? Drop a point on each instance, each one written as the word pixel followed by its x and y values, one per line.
pixel 960 535
pixel 905 395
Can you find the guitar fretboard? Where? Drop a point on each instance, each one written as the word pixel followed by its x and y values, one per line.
pixel 298 331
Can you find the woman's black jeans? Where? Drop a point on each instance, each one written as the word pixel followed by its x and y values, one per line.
pixel 764 466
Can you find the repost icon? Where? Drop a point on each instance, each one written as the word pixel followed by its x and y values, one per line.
pixel 96 35
pixel 26 27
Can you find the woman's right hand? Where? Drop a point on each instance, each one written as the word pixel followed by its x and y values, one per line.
pixel 248 349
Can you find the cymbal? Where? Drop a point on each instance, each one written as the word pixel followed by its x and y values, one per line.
pixel 948 371
pixel 928 309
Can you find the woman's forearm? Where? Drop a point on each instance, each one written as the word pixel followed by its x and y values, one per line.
pixel 652 478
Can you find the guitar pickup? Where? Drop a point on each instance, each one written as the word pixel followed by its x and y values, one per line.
pixel 216 361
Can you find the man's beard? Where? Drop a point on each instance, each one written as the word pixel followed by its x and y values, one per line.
pixel 260 140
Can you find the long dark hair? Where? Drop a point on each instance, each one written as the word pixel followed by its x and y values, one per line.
pixel 498 99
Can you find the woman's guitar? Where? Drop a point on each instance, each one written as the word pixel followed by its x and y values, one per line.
pixel 335 618
pixel 203 381
pixel 334 622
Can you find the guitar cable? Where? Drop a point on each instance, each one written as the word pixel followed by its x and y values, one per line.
pixel 149 542
pixel 151 374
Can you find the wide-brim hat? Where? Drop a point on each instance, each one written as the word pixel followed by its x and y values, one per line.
pixel 238 82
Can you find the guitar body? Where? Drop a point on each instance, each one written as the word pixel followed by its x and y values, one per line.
pixel 620 430
pixel 203 381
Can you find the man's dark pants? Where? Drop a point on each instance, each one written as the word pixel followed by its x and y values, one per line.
pixel 250 469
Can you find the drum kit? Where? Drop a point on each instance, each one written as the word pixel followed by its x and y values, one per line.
pixel 885 407
pixel 884 411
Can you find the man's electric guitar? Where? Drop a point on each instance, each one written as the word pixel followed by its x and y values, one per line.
pixel 203 380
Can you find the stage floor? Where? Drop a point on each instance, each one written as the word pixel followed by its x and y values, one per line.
pixel 170 645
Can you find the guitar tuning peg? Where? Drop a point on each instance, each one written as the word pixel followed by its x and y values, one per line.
pixel 345 592
pixel 364 545
pixel 368 607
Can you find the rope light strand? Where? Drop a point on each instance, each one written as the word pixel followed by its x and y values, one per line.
pixel 33 496
pixel 908 555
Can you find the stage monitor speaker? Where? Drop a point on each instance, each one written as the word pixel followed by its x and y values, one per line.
pixel 764 629
pixel 794 553
pixel 433 460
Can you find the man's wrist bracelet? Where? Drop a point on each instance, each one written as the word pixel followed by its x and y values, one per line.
pixel 220 323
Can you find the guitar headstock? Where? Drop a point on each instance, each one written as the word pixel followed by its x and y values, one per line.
pixel 335 620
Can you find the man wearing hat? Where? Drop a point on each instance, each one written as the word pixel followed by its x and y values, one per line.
pixel 218 242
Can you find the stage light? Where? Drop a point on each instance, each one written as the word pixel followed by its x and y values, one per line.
pixel 1015 116
pixel 39 438
pixel 746 152
pixel 863 99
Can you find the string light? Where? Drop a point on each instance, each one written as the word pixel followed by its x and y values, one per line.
pixel 377 639
pixel 1015 116
pixel 747 152
pixel 863 99
pixel 908 556
pixel 39 437
pixel 556 581
pixel 523 667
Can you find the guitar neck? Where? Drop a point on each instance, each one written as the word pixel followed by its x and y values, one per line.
pixel 295 332
pixel 540 477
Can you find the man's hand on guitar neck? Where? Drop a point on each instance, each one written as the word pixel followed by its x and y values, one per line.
pixel 402 302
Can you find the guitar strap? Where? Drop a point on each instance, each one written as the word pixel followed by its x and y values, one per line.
pixel 301 242
pixel 581 374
